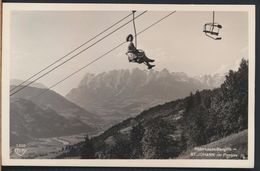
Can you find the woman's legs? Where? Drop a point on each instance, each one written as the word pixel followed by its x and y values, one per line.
pixel 145 58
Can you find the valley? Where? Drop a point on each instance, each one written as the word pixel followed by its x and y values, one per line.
pixel 46 148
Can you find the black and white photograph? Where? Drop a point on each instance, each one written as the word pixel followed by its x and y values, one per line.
pixel 108 85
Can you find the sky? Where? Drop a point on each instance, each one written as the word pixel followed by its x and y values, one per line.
pixel 178 44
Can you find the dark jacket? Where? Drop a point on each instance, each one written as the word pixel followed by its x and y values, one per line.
pixel 132 48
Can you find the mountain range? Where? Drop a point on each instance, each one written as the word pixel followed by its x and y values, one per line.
pixel 120 94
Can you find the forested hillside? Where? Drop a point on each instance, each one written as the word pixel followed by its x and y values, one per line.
pixel 168 130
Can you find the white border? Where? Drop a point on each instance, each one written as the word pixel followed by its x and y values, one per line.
pixel 8 7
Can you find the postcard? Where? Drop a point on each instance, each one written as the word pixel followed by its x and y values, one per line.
pixel 128 85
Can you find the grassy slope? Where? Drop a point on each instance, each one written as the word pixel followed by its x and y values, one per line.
pixel 237 142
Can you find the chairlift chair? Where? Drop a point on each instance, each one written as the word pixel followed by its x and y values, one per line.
pixel 212 29
pixel 135 57
pixel 134 54
pixel 138 56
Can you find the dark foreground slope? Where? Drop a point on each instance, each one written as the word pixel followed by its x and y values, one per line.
pixel 233 146
pixel 167 131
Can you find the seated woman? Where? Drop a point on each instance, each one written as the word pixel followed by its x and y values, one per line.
pixel 137 55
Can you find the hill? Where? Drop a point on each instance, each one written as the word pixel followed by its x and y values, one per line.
pixel 59 104
pixel 48 115
pixel 28 121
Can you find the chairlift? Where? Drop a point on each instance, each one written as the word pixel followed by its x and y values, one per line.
pixel 134 54
pixel 212 29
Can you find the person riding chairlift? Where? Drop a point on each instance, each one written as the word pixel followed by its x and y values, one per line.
pixel 137 55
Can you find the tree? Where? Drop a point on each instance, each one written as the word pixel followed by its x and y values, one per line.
pixel 87 151
pixel 166 145
pixel 122 149
pixel 136 136
pixel 189 102
pixel 243 84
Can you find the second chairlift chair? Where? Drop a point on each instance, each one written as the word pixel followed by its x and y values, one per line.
pixel 212 29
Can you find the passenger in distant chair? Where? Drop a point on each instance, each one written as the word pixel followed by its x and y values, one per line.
pixel 137 55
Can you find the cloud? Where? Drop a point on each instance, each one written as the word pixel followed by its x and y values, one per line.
pixel 221 70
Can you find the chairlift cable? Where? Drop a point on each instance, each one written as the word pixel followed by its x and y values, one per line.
pixel 158 21
pixel 75 72
pixel 26 85
pixel 95 60
pixel 119 21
